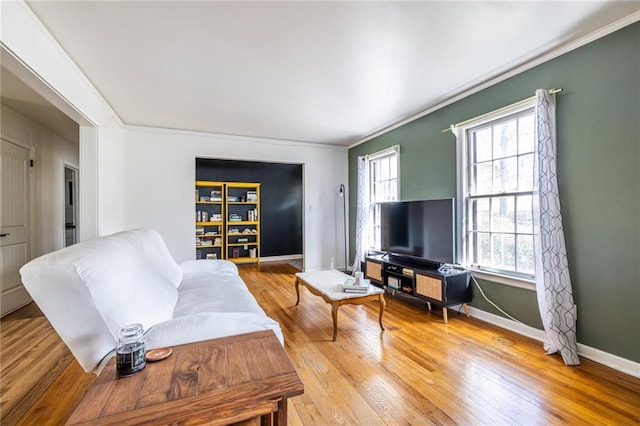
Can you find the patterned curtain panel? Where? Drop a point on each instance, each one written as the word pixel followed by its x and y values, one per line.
pixel 553 284
pixel 362 214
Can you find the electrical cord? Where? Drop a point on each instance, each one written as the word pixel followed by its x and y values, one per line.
pixel 493 304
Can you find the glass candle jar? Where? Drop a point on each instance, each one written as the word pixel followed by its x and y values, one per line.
pixel 131 350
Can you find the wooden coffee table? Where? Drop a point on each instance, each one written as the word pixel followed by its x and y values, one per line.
pixel 212 382
pixel 328 285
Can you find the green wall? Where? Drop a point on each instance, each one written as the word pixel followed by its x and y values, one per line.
pixel 598 130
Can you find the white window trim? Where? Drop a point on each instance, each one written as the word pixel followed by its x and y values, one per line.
pixel 374 156
pixel 494 277
pixel 392 149
pixel 460 131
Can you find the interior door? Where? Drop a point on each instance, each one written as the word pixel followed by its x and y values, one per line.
pixel 14 225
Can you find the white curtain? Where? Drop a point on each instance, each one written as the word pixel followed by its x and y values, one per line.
pixel 362 214
pixel 553 284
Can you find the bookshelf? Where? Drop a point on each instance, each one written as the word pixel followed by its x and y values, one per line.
pixel 228 221
pixel 242 226
pixel 210 213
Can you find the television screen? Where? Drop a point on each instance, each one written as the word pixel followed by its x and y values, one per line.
pixel 420 229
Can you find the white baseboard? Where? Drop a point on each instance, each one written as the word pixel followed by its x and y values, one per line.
pixel 614 361
pixel 281 258
pixel 623 365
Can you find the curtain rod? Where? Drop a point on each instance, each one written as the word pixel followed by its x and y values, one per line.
pixel 496 112
pixel 383 152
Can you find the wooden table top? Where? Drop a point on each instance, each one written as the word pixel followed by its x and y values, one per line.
pixel 217 381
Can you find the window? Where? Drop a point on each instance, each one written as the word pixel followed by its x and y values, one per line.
pixel 497 192
pixel 384 184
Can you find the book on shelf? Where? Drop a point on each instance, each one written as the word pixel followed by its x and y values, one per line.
pixel 235 218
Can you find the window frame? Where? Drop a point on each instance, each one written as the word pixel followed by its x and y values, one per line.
pixel 373 208
pixel 464 153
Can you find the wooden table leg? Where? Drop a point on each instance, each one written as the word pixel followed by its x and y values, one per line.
pixel 383 304
pixel 444 314
pixel 334 314
pixel 297 292
pixel 280 416
pixel 265 419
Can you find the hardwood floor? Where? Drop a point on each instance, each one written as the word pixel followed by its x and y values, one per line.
pixel 418 371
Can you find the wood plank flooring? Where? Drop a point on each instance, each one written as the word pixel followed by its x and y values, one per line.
pixel 418 371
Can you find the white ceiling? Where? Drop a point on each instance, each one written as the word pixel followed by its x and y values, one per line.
pixel 324 72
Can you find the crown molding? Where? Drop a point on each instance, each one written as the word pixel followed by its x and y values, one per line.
pixel 229 137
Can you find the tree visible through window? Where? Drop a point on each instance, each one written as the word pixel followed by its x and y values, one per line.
pixel 499 189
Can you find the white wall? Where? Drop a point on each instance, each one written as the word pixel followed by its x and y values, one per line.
pixel 111 182
pixel 160 175
pixel 52 152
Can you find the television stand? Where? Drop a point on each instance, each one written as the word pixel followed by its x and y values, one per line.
pixel 424 280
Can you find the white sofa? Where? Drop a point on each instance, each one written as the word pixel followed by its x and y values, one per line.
pixel 89 291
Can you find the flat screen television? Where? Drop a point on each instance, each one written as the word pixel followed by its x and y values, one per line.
pixel 422 230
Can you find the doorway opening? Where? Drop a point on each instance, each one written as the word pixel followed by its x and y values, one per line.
pixel 70 206
pixel 281 202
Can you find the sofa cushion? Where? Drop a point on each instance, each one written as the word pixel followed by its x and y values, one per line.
pixel 128 276
pixel 208 325
pixel 213 286
pixel 152 248
pixel 212 266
